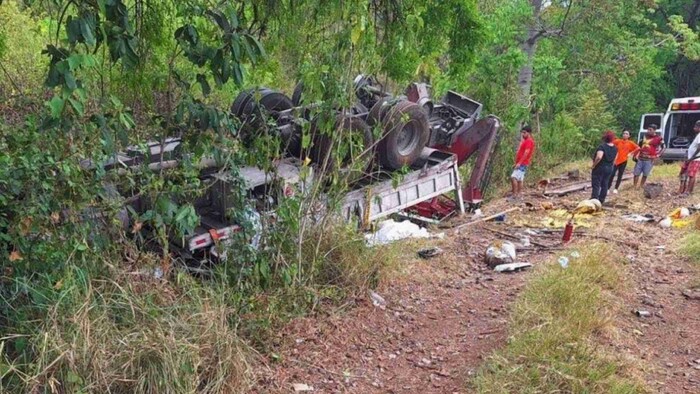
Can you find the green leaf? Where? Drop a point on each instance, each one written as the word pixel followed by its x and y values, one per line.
pixel 219 19
pixel 236 47
pixel 56 105
pixel 237 74
pixel 202 79
pixel 249 49
pixel 306 140
pixel 233 17
pixel 102 6
pixel 74 61
pixel 80 92
pixel 70 80
pixel 73 30
pixel 257 47
pixel 77 106
pixel 226 69
pixel 126 121
pixel 87 31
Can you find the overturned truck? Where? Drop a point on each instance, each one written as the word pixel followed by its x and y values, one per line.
pixel 426 141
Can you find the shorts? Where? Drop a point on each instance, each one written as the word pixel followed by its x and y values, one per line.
pixel 693 168
pixel 643 167
pixel 519 173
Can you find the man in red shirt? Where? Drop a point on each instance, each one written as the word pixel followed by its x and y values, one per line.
pixel 650 149
pixel 522 160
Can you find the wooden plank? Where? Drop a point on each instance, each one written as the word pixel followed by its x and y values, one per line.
pixel 577 187
pixel 487 218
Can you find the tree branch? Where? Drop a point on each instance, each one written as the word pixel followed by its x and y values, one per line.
pixel 12 81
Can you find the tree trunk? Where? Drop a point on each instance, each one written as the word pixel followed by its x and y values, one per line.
pixel 529 47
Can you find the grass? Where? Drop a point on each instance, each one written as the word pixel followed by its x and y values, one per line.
pixel 690 248
pixel 126 333
pixel 553 329
pixel 137 336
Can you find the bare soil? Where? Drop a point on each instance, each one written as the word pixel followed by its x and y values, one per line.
pixel 444 315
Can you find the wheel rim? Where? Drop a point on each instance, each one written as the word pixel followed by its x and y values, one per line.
pixel 407 139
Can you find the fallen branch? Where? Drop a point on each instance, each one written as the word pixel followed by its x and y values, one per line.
pixel 486 219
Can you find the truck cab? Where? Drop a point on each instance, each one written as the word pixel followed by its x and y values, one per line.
pixel 675 126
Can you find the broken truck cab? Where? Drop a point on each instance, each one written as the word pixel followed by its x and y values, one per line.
pixel 266 188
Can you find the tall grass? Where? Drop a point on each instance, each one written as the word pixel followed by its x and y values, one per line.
pixel 132 336
pixel 552 345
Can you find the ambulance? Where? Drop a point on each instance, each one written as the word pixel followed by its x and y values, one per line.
pixel 675 126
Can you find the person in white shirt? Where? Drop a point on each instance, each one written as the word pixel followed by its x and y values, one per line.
pixel 693 163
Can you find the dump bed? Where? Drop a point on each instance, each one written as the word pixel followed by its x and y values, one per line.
pixel 437 175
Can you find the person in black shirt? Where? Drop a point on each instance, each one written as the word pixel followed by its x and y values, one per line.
pixel 602 167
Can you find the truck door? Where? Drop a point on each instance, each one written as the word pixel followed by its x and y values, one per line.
pixel 648 120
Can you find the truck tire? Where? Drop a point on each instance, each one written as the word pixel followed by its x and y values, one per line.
pixel 254 106
pixel 357 135
pixel 405 133
pixel 297 94
pixel 378 110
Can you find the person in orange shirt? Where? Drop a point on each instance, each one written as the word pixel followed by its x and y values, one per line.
pixel 625 147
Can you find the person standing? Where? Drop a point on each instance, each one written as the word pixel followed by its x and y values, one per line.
pixel 693 163
pixel 602 167
pixel 624 147
pixel 651 149
pixel 522 160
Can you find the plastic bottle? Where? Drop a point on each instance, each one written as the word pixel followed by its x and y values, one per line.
pixel 564 261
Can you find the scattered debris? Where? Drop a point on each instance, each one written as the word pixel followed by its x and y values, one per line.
pixel 639 218
pixel 300 387
pixel 377 300
pixel 427 253
pixel 653 190
pixel 575 254
pixel 680 213
pixel 563 261
pixel 512 267
pixel 641 313
pixel 500 252
pixel 666 222
pixel 558 218
pixel 390 231
pixel 547 205
pixel 592 205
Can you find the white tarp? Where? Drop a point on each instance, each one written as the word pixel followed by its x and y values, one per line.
pixel 390 231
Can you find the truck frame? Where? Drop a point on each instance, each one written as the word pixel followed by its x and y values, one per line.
pixel 457 133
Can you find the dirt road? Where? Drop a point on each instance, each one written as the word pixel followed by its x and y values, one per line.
pixel 443 316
